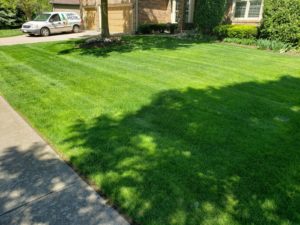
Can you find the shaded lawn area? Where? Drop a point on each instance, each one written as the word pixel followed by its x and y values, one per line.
pixel 10 33
pixel 181 133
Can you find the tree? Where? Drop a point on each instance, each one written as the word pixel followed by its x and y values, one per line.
pixel 28 7
pixel 10 15
pixel 104 19
pixel 209 14
pixel 32 7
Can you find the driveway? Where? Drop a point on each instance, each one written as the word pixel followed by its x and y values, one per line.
pixel 26 39
pixel 37 187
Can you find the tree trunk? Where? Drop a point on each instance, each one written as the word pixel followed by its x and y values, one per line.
pixel 181 19
pixel 28 14
pixel 104 19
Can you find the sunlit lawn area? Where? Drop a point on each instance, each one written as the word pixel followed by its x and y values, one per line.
pixel 10 32
pixel 172 131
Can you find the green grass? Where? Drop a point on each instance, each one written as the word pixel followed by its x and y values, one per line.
pixel 10 33
pixel 173 132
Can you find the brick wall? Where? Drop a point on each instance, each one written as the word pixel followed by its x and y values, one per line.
pixel 154 11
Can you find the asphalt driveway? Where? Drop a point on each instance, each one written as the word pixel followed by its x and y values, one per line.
pixel 26 39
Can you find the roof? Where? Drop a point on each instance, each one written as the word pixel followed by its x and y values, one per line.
pixel 65 2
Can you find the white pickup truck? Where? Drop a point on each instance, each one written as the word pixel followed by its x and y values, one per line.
pixel 52 23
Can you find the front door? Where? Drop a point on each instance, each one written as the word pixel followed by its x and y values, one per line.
pixel 56 24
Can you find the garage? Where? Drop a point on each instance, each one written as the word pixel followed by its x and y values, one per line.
pixel 90 18
pixel 120 17
pixel 120 14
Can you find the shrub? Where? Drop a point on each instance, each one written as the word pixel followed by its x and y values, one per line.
pixel 236 31
pixel 281 21
pixel 157 28
pixel 208 14
pixel 221 31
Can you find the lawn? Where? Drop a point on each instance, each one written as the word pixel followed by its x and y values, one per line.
pixel 172 131
pixel 10 33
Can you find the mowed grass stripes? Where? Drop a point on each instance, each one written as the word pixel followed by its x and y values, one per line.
pixel 172 131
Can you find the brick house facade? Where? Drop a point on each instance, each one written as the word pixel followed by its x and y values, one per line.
pixel 126 15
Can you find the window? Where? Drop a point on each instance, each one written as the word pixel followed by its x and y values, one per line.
pixel 42 17
pixel 255 7
pixel 247 8
pixel 240 9
pixel 55 18
pixel 189 11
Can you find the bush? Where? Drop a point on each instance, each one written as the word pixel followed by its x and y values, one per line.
pixel 208 14
pixel 157 28
pixel 221 31
pixel 236 31
pixel 281 21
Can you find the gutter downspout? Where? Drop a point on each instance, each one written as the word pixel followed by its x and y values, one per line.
pixel 136 14
pixel 99 28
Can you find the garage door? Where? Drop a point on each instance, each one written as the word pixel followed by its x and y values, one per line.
pixel 90 19
pixel 120 18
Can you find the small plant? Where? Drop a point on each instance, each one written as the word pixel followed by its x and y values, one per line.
pixel 263 44
pixel 273 45
pixel 240 41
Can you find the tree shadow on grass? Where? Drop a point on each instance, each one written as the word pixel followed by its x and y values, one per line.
pixel 214 156
pixel 132 43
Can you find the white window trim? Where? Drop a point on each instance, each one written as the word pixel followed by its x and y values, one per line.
pixel 191 11
pixel 246 18
pixel 173 14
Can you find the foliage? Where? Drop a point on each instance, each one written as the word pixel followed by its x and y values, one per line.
pixel 273 45
pixel 236 31
pixel 209 13
pixel 172 131
pixel 261 44
pixel 28 7
pixel 243 41
pixel 10 17
pixel 157 28
pixel 282 21
pixel 32 7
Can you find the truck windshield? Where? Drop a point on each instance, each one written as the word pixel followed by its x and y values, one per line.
pixel 42 17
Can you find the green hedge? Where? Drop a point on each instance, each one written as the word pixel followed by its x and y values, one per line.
pixel 157 28
pixel 236 31
pixel 209 13
pixel 281 21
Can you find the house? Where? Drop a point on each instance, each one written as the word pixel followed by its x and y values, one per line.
pixel 126 15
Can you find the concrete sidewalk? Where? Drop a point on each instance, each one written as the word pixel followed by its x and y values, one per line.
pixel 37 187
pixel 25 39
